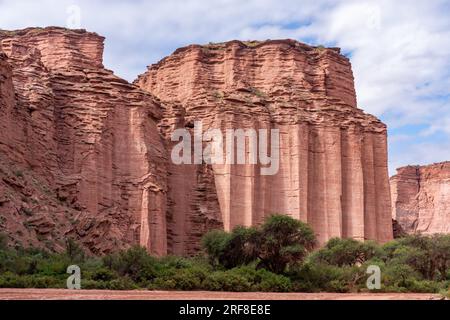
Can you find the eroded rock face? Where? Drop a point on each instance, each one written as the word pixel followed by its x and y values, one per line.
pixel 421 198
pixel 86 136
pixel 84 154
pixel 333 162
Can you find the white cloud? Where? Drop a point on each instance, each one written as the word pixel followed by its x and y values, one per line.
pixel 400 50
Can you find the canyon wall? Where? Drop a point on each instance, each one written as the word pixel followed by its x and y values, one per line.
pixel 421 198
pixel 86 155
pixel 333 157
pixel 80 149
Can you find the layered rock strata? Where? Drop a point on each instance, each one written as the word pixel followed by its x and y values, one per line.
pixel 421 198
pixel 333 157
pixel 86 155
pixel 86 136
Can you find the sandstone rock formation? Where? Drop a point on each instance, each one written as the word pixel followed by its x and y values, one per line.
pixel 333 166
pixel 421 198
pixel 85 154
pixel 85 136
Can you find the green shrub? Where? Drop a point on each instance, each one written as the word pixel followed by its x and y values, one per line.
pixel 91 265
pixel 347 252
pixel 116 284
pixel 226 281
pixel 230 249
pixel 3 241
pixel 424 286
pixel 122 284
pixel 74 251
pixel 428 255
pixel 313 277
pixel 104 274
pixel 11 280
pixel 263 280
pixel 88 284
pixel 185 279
pixel 214 243
pixel 282 242
pixel 134 263
pixel 279 243
pixel 55 265
pixel 175 262
pixel 398 275
pixel 271 282
pixel 163 284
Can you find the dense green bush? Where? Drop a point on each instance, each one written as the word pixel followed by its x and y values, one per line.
pixel 270 282
pixel 116 284
pixel 134 263
pixel 231 249
pixel 183 279
pixel 279 243
pixel 321 277
pixel 12 280
pixel 430 256
pixel 104 274
pixel 282 242
pixel 347 252
pixel 227 281
pixel 261 279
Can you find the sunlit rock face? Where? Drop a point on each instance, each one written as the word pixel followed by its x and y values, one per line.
pixel 421 198
pixel 87 155
pixel 94 164
pixel 333 157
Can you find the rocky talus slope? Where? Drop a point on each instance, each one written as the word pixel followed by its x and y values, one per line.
pixel 421 198
pixel 85 154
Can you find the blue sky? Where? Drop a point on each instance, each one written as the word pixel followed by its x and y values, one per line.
pixel 400 50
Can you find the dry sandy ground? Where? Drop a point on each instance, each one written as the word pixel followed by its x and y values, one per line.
pixel 50 294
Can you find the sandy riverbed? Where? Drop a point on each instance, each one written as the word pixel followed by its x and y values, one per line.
pixel 52 294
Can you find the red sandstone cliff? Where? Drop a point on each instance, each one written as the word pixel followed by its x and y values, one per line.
pixel 88 159
pixel 85 154
pixel 421 198
pixel 333 171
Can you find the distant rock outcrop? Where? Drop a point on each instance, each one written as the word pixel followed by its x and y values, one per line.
pixel 84 154
pixel 421 198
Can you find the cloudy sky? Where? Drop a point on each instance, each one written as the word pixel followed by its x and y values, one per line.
pixel 400 50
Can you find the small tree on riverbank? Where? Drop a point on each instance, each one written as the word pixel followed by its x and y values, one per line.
pixel 280 242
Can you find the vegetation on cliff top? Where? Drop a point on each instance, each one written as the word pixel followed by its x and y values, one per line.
pixel 275 257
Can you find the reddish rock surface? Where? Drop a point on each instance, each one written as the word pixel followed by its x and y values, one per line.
pixel 333 167
pixel 80 150
pixel 85 154
pixel 421 198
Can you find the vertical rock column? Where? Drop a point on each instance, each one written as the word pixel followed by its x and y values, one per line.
pixel 333 157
